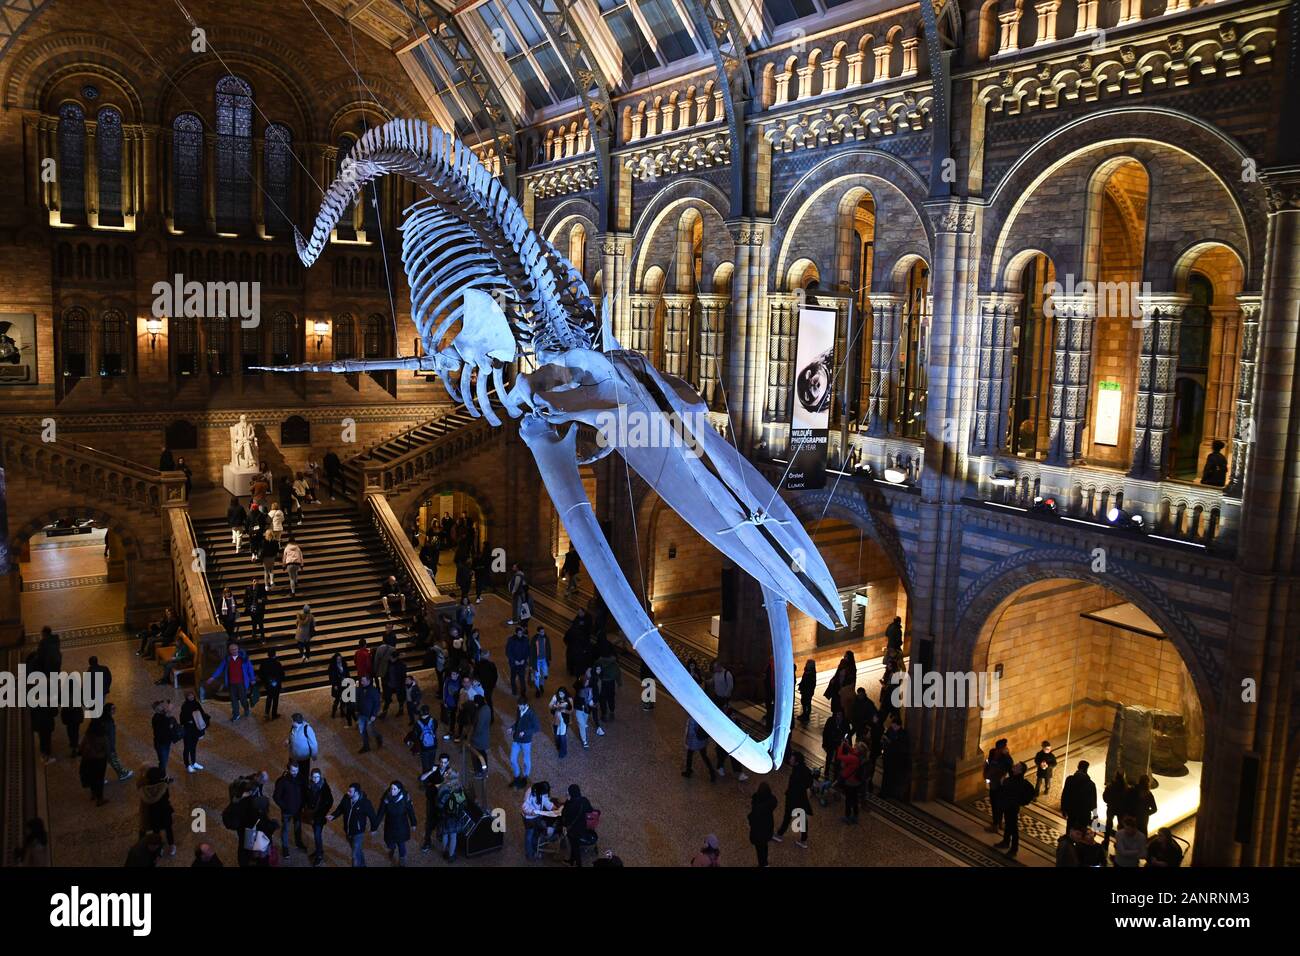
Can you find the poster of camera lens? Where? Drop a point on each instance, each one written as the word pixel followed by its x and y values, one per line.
pixel 17 348
pixel 814 383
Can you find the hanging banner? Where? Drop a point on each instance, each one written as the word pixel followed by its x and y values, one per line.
pixel 814 382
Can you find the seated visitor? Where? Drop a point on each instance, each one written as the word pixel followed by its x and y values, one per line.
pixel 161 633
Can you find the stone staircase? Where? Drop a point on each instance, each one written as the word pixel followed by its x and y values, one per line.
pixel 345 562
pixel 393 448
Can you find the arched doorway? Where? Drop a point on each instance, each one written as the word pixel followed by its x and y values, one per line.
pixel 448 525
pixel 1073 664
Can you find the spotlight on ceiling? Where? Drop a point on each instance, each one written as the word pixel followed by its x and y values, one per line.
pixel 895 475
pixel 1044 507
pixel 1119 518
pixel 1003 479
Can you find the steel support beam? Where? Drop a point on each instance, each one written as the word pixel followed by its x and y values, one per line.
pixel 716 23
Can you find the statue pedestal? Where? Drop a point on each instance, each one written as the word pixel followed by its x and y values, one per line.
pixel 237 481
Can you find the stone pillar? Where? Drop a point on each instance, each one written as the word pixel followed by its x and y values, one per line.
pixel 830 73
pixel 1087 20
pixel 616 283
pixel 909 56
pixel 1071 375
pixel 1130 11
pixel 1243 423
pixel 745 366
pixel 640 335
pixel 886 314
pixel 993 390
pixel 712 343
pixel 1153 416
pixel 1046 20
pixel 882 54
pixel 1010 23
pixel 679 310
pixel 1265 612
pixel 805 81
pixel 854 61
pixel 782 88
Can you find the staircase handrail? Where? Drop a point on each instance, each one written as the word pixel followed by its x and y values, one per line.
pixel 128 481
pixel 197 610
pixel 403 553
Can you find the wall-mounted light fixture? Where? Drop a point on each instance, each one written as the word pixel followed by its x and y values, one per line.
pixel 153 325
pixel 895 474
pixel 322 329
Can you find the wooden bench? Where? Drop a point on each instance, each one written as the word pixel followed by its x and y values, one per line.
pixel 165 655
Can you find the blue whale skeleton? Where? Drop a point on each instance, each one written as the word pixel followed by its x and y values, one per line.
pixel 470 257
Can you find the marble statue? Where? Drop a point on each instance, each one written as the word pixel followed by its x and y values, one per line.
pixel 237 476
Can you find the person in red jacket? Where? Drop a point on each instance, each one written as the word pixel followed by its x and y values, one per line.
pixel 361 660
pixel 850 762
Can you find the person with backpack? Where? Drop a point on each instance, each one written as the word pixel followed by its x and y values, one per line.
pixel 194 724
pixel 398 816
pixel 722 685
pixel 539 656
pixel 316 803
pixel 413 696
pixel 288 796
pixel 367 714
pixel 358 818
pixel 578 819
pixel 303 748
pixel 166 731
pixel 1016 792
pixel 291 558
pixel 697 743
pixel 425 735
pixel 561 708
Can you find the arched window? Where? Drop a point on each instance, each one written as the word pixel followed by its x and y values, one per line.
pixel 347 227
pixel 187 171
pixel 219 346
pixel 250 349
pixel 913 353
pixel 285 341
pixel 278 158
pixel 184 335
pixel 74 342
pixel 234 153
pixel 113 344
pixel 1032 344
pixel 376 332
pixel 345 337
pixel 578 247
pixel 370 200
pixel 72 163
pixel 108 147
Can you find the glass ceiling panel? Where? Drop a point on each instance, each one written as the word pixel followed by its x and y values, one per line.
pixel 674 39
pixel 638 55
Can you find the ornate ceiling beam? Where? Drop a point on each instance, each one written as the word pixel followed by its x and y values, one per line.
pixel 593 89
pixel 715 21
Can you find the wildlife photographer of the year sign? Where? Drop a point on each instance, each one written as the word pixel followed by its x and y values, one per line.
pixel 814 383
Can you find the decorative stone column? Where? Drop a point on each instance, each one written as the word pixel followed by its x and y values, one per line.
pixel 747 331
pixel 616 283
pixel 1046 20
pixel 679 309
pixel 1010 23
pixel 1130 11
pixel 909 55
pixel 1153 414
pixel 713 331
pixel 882 54
pixel 1087 19
pixel 641 327
pixel 805 82
pixel 993 389
pixel 886 315
pixel 1243 429
pixel 854 61
pixel 1071 374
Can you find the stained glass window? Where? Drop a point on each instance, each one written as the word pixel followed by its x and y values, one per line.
pixel 234 153
pixel 278 160
pixel 345 337
pixel 113 340
pixel 108 146
pixel 75 331
pixel 72 163
pixel 187 171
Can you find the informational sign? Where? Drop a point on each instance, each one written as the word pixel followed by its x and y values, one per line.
pixel 814 383
pixel 1109 402
pixel 17 348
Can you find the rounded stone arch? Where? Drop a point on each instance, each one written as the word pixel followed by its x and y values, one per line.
pixel 656 228
pixel 127 102
pixel 42 64
pixel 897 192
pixel 561 216
pixel 115 524
pixel 897 275
pixel 986 598
pixel 444 485
pixel 1183 265
pixel 1174 147
pixel 854 509
pixel 1009 280
pixel 797 276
